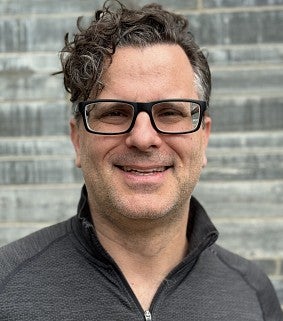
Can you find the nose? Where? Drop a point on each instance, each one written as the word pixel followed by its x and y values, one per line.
pixel 143 136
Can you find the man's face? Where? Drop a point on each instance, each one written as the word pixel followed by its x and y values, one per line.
pixel 143 174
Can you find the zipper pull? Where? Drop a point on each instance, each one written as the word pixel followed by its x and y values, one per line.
pixel 147 315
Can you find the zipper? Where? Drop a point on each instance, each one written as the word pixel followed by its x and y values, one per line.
pixel 147 316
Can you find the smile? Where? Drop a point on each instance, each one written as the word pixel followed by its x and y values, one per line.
pixel 144 171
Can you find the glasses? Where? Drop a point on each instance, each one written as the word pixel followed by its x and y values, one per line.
pixel 169 116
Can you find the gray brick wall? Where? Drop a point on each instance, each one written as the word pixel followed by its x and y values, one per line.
pixel 242 187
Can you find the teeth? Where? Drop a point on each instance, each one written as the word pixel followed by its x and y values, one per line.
pixel 144 171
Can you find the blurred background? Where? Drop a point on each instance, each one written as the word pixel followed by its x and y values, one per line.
pixel 242 186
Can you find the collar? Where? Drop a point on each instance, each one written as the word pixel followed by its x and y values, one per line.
pixel 201 232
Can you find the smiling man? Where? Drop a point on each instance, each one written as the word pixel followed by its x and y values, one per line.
pixel 139 183
pixel 141 246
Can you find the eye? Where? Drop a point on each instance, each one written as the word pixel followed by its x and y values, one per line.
pixel 169 112
pixel 109 112
pixel 114 112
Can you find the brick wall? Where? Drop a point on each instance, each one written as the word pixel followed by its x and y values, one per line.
pixel 242 187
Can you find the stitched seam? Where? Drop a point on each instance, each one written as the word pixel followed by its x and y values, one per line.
pixel 243 277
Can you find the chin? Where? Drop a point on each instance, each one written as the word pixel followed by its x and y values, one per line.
pixel 149 211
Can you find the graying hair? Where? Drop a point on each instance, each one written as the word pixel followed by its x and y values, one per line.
pixel 86 58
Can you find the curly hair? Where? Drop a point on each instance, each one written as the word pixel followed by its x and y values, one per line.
pixel 85 58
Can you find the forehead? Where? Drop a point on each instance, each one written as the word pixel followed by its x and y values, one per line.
pixel 157 69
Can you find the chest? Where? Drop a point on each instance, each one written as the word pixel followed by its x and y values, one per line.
pixel 96 293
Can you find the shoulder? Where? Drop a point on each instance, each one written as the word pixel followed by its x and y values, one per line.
pixel 236 263
pixel 15 254
pixel 253 276
pixel 246 269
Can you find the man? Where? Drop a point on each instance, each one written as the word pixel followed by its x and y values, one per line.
pixel 141 247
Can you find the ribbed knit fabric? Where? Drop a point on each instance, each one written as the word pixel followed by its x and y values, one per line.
pixel 63 273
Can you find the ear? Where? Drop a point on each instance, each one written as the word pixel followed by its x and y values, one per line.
pixel 75 138
pixel 206 133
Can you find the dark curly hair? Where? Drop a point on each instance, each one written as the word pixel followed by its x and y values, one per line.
pixel 85 58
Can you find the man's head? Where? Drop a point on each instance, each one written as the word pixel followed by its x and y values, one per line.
pixel 86 58
pixel 143 173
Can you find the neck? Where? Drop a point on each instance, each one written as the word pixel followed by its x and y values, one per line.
pixel 151 242
pixel 145 255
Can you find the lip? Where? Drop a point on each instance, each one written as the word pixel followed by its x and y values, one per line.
pixel 139 170
pixel 140 177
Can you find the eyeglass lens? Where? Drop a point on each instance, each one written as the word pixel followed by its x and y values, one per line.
pixel 116 117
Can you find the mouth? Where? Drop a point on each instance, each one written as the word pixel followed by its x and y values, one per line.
pixel 143 171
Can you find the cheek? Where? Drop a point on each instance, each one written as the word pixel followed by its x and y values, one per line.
pixel 88 154
pixel 96 151
pixel 191 152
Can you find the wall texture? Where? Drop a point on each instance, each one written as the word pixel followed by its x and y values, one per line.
pixel 242 187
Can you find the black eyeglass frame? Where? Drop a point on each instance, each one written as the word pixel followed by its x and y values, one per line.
pixel 141 107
